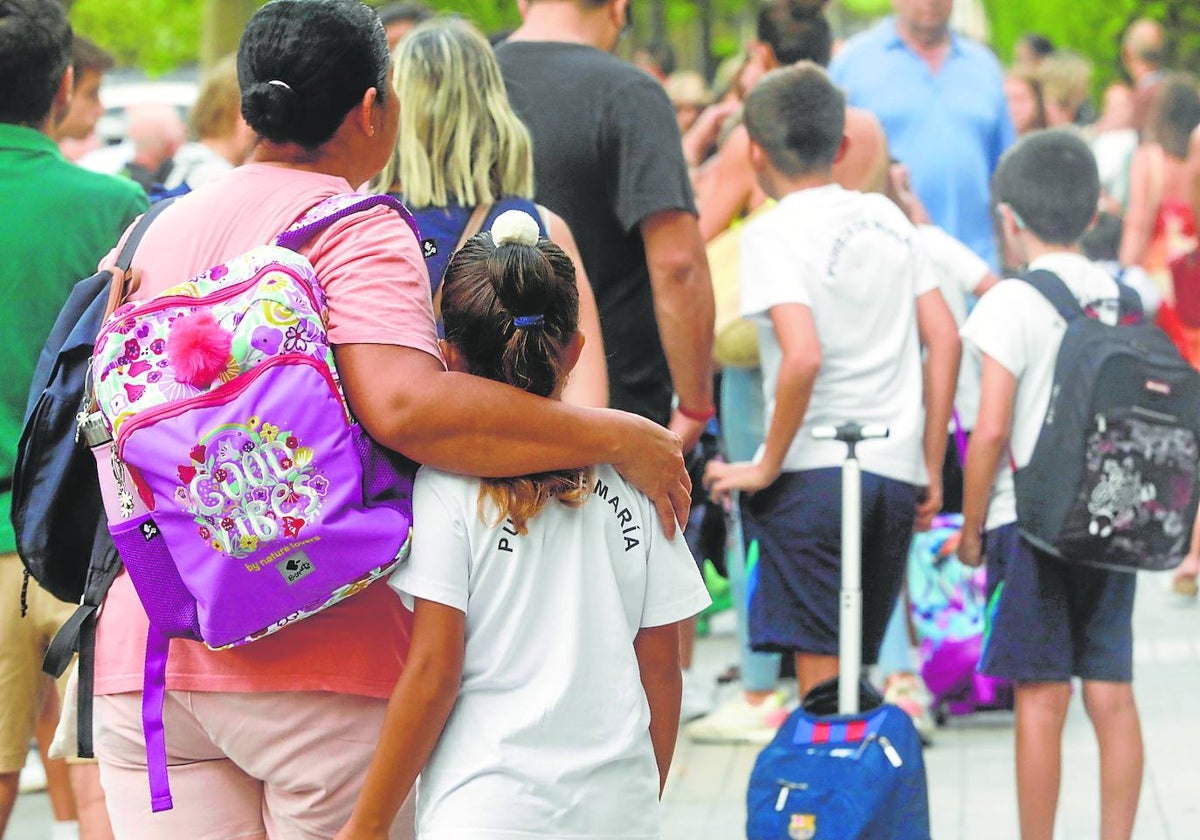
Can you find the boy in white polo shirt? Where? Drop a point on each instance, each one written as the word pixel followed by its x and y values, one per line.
pixel 1049 620
pixel 845 302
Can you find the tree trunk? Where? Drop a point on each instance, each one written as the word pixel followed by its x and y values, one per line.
pixel 221 28
pixel 706 39
pixel 658 22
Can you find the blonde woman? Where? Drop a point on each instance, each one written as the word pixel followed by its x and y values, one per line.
pixel 463 157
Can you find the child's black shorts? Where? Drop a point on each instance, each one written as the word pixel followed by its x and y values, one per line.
pixel 1051 620
pixel 794 593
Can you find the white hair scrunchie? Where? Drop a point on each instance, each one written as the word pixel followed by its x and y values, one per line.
pixel 516 227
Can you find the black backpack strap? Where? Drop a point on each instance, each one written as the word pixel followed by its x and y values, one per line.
pixel 78 633
pixel 1131 305
pixel 1053 289
pixel 125 258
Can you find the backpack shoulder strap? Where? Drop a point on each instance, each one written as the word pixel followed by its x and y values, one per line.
pixel 1130 303
pixel 125 258
pixel 118 291
pixel 336 208
pixel 474 224
pixel 1053 289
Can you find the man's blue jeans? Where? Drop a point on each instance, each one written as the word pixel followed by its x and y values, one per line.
pixel 742 430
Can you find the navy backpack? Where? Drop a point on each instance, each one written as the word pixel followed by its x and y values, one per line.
pixel 57 509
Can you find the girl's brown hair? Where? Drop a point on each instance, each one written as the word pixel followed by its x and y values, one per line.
pixel 512 311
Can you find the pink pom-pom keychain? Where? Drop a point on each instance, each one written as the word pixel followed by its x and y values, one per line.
pixel 198 349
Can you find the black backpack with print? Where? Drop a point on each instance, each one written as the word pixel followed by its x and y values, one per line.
pixel 1115 475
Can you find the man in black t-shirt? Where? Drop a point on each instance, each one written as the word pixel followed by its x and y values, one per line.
pixel 608 159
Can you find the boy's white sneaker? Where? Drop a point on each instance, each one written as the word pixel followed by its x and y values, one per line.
pixel 33 774
pixel 738 721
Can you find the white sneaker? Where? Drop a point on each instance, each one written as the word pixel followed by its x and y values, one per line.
pixel 33 775
pixel 737 721
pixel 698 697
pixel 65 830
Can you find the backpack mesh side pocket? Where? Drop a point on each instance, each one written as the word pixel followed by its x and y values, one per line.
pixel 169 605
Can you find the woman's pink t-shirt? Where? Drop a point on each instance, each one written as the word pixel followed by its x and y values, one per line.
pixel 373 272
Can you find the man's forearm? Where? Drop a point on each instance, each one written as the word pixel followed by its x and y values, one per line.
pixel 683 305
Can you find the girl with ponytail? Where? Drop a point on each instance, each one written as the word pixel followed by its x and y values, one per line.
pixel 541 693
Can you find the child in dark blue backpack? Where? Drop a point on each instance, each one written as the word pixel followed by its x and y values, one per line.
pixel 1050 620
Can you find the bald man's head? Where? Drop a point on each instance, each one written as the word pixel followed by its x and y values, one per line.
pixel 157 131
pixel 1144 48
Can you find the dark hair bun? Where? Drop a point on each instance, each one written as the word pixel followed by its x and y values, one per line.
pixel 271 109
pixel 322 56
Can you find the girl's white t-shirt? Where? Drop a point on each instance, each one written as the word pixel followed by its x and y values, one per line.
pixel 550 733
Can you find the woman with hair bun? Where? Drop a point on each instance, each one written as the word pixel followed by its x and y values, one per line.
pixel 272 739
pixel 462 156
pixel 542 690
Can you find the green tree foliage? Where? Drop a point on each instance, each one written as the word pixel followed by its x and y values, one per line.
pixel 489 15
pixel 1095 28
pixel 155 35
pixel 160 35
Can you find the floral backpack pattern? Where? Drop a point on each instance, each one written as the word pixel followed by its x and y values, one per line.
pixel 262 501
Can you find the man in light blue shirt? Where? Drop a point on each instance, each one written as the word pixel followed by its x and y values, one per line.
pixel 940 98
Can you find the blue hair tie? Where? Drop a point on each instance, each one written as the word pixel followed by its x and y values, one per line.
pixel 524 322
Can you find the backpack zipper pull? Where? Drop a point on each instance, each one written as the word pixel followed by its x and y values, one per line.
pixel 86 404
pixel 866 743
pixel 893 755
pixel 786 788
pixel 124 497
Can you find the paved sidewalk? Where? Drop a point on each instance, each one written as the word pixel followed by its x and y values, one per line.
pixel 972 791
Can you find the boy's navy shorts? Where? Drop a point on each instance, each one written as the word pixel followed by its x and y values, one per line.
pixel 1051 620
pixel 795 588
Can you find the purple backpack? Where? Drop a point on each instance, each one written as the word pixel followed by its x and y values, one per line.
pixel 949 611
pixel 262 501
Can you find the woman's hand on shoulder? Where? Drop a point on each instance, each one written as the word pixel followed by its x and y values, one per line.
pixel 651 459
